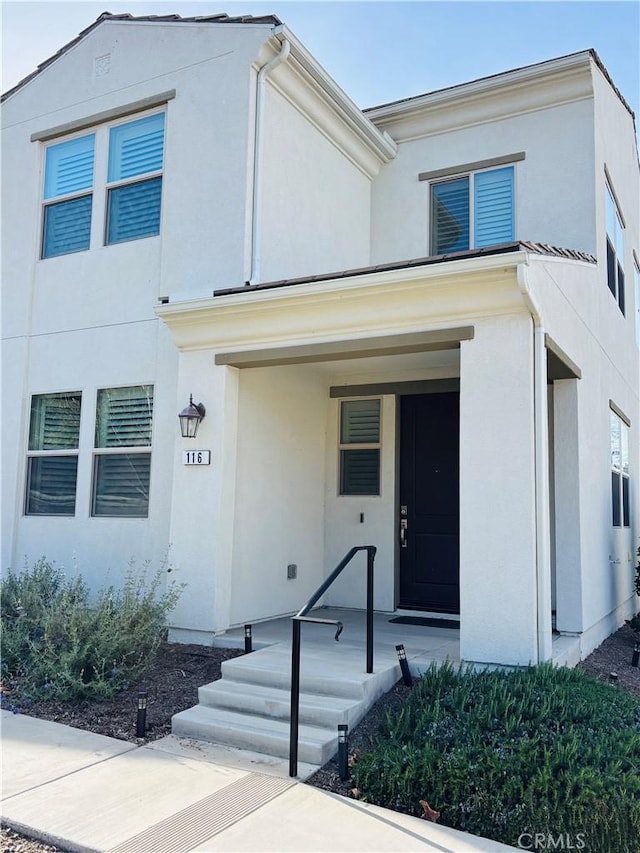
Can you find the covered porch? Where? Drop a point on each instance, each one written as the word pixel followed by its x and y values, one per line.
pixel 257 532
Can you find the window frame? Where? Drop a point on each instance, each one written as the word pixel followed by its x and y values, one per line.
pixel 636 287
pixel 101 187
pixel 345 447
pixel 48 201
pixel 139 178
pixel 124 450
pixel 470 176
pixel 614 248
pixel 50 453
pixel 620 473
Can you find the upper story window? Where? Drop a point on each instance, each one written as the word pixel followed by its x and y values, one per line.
pixel 621 513
pixel 68 197
pixel 473 210
pixel 636 284
pixel 135 179
pixel 133 152
pixel 615 249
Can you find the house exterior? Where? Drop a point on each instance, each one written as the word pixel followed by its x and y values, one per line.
pixel 414 327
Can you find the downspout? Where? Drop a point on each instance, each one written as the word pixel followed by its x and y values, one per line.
pixel 256 224
pixel 541 469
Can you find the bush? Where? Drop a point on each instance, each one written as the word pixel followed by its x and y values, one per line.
pixel 539 750
pixel 56 644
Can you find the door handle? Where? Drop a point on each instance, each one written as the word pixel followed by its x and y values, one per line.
pixel 403 532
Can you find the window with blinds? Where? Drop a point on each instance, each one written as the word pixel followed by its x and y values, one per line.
pixel 472 211
pixel 122 463
pixel 359 447
pixel 68 197
pixel 52 461
pixel 133 154
pixel 621 511
pixel 615 250
pixel 134 178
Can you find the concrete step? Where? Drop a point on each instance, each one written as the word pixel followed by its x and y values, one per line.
pixel 315 709
pixel 267 736
pixel 322 673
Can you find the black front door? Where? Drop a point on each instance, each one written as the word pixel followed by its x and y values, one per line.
pixel 429 502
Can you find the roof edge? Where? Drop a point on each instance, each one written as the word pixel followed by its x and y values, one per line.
pixel 569 60
pixel 429 260
pixel 222 18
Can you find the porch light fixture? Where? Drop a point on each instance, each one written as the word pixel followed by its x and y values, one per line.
pixel 190 417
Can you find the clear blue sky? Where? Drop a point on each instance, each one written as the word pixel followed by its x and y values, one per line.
pixel 377 51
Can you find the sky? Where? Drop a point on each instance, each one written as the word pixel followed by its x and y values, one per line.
pixel 377 51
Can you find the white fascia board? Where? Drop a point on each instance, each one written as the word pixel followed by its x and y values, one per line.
pixel 328 287
pixel 377 140
pixel 481 87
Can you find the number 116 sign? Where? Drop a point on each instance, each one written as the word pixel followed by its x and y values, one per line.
pixel 196 457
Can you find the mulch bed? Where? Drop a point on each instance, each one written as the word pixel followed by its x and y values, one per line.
pixel 173 682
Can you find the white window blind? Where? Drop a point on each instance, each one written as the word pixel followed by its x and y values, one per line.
pixel 493 207
pixel 360 447
pixel 121 479
pixel 52 476
pixel 68 171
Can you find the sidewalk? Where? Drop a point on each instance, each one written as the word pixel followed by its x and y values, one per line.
pixel 86 792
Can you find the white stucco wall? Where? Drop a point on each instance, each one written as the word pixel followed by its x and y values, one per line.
pixel 316 203
pixel 554 194
pixel 279 501
pixel 498 603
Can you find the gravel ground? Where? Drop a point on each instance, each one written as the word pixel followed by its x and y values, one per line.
pixel 173 684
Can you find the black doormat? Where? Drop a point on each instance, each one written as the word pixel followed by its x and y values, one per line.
pixel 426 622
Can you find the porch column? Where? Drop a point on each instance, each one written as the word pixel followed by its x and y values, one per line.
pixel 498 585
pixel 203 500
pixel 567 506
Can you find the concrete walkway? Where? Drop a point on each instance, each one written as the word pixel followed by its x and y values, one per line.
pixel 86 792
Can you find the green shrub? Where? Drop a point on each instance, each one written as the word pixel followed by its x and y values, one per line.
pixel 57 643
pixel 538 750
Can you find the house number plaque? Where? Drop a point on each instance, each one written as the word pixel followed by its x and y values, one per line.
pixel 196 457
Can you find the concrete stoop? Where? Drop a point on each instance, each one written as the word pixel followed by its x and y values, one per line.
pixel 249 707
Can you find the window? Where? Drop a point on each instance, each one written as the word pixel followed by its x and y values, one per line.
pixel 472 211
pixel 68 181
pixel 122 464
pixel 135 150
pixel 619 471
pixel 359 447
pixel 636 284
pixel 134 153
pixel 615 250
pixel 52 462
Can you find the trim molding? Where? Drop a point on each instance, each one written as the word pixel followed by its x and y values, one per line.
pixel 418 386
pixel 562 367
pixel 105 115
pixel 472 167
pixel 440 339
pixel 620 413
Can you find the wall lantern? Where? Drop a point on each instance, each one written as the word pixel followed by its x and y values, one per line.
pixel 190 417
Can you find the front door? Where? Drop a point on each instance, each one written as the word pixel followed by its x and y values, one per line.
pixel 429 502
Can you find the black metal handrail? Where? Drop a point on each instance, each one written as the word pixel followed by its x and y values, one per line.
pixel 301 616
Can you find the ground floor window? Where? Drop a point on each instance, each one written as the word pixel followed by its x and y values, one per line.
pixel 621 513
pixel 359 447
pixel 52 460
pixel 122 460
